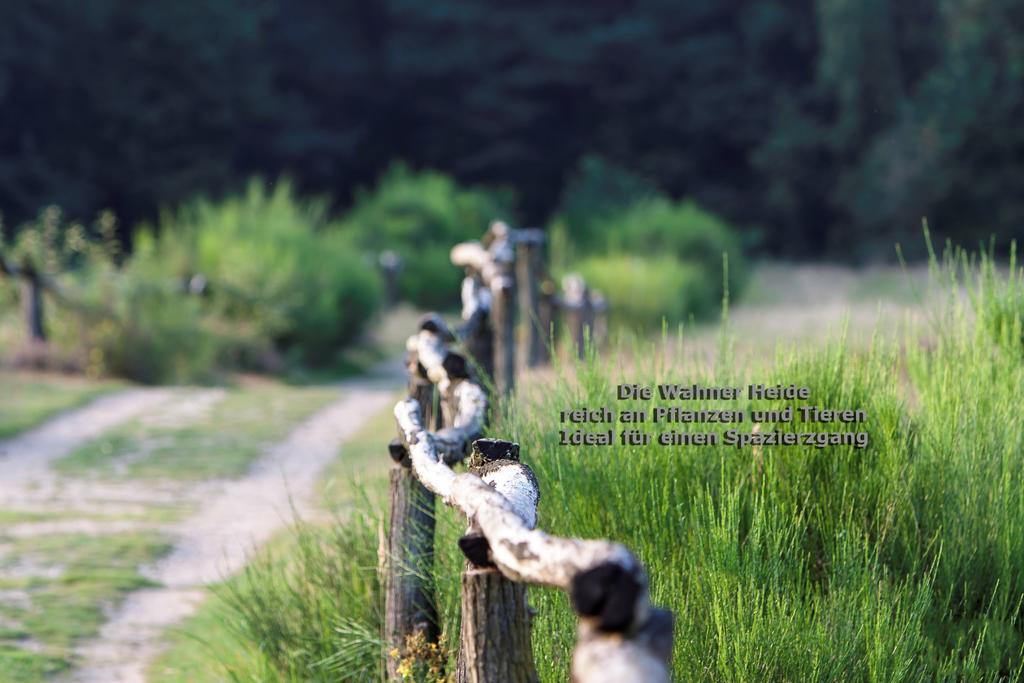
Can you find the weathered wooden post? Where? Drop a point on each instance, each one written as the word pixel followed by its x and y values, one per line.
pixel 577 312
pixel 548 318
pixel 32 303
pixel 410 607
pixel 476 331
pixel 390 264
pixel 599 312
pixel 529 273
pixel 503 318
pixel 494 642
pixel 498 242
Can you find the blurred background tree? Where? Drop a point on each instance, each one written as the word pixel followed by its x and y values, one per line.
pixel 830 127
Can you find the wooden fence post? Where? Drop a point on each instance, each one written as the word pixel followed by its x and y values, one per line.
pixel 599 315
pixel 32 303
pixel 621 636
pixel 529 272
pixel 494 642
pixel 502 281
pixel 578 312
pixel 503 319
pixel 548 317
pixel 477 332
pixel 390 264
pixel 410 605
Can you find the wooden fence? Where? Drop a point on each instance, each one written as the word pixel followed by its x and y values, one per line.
pixel 620 636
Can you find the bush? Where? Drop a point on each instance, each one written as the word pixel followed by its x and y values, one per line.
pixel 644 291
pixel 615 219
pixel 421 215
pixel 147 332
pixel 276 271
pixel 105 318
pixel 693 235
pixel 663 261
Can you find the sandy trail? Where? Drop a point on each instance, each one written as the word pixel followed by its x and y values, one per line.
pixel 233 517
pixel 29 484
pixel 25 459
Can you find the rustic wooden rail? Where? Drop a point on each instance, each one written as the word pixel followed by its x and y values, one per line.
pixel 621 637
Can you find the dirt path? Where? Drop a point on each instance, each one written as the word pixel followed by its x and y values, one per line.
pixel 25 459
pixel 232 518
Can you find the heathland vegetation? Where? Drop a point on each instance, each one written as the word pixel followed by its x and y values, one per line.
pixel 894 562
pixel 272 281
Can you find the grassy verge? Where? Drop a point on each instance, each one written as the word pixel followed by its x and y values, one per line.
pixel 27 399
pixel 56 589
pixel 311 584
pixel 220 443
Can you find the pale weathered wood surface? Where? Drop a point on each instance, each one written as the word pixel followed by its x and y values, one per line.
pixel 606 584
pixel 522 553
pixel 410 606
pixel 494 639
pixel 463 399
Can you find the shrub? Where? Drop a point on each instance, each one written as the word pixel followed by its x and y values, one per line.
pixel 140 329
pixel 421 215
pixel 277 271
pixel 619 220
pixel 105 318
pixel 664 261
pixel 693 235
pixel 596 193
pixel 645 291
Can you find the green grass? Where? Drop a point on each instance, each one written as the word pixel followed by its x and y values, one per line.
pixel 898 562
pixel 21 666
pixel 221 443
pixel 95 572
pixel 27 399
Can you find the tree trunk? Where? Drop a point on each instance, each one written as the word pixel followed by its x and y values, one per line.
pixel 495 637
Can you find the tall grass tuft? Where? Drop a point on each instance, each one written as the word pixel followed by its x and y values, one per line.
pixel 314 614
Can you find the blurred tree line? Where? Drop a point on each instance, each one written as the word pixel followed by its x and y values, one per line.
pixel 829 126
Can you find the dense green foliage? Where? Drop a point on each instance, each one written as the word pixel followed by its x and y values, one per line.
pixel 420 216
pixel 261 280
pixel 278 273
pixel 645 291
pixel 833 125
pixel 654 259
